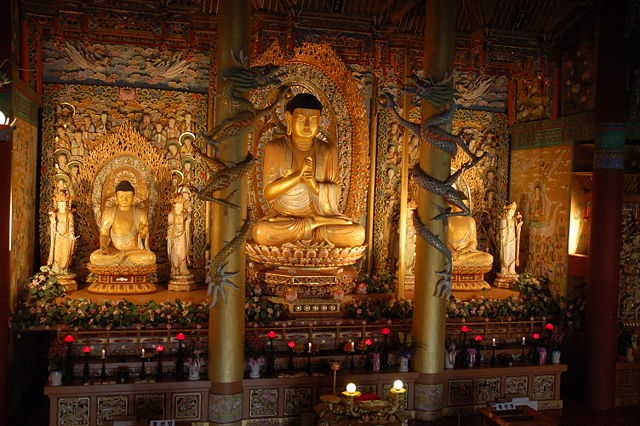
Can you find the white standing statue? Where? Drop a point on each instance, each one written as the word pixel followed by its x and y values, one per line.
pixel 509 243
pixel 63 241
pixel 179 246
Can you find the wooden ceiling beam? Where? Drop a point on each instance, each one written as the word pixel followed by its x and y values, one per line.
pixel 400 13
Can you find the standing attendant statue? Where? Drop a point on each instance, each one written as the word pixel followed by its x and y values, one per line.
pixel 179 245
pixel 63 241
pixel 509 242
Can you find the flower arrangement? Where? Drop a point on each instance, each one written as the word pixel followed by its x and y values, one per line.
pixel 261 310
pixel 378 283
pixel 535 300
pixel 255 348
pixel 252 362
pixel 41 304
pixel 405 345
pixel 555 340
pixel 57 354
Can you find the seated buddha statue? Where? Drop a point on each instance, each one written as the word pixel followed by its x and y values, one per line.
pixel 463 241
pixel 301 184
pixel 124 233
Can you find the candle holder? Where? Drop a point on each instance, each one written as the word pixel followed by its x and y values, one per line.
pixel 384 354
pixel 350 394
pixel 179 359
pixel 103 371
pixel 159 372
pixel 395 394
pixel 68 360
pixel 86 378
pixel 290 364
pixel 143 369
pixel 271 360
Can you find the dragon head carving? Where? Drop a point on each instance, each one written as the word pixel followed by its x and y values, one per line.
pixel 438 93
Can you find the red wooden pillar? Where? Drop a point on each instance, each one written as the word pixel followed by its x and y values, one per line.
pixel 6 37
pixel 606 226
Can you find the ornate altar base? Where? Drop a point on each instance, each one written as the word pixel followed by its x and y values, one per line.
pixel 122 280
pixel 68 281
pixel 309 291
pixel 505 281
pixel 470 277
pixel 182 283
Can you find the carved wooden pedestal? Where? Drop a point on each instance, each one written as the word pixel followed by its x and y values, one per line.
pixel 68 281
pixel 122 279
pixel 182 283
pixel 505 281
pixel 470 277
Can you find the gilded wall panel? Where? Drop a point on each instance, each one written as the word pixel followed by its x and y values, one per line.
pixel 23 201
pixel 78 118
pixel 540 184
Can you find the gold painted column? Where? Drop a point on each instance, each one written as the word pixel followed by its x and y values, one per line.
pixel 226 321
pixel 429 310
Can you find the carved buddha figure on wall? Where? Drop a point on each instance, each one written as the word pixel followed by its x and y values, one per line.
pixel 301 184
pixel 124 232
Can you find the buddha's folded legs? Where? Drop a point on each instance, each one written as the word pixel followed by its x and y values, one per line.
pixel 130 257
pixel 281 230
pixel 341 235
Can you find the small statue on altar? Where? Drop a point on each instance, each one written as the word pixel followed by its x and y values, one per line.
pixel 63 240
pixel 468 263
pixel 509 242
pixel 179 237
pixel 124 232
pixel 301 184
pixel 179 245
pixel 462 239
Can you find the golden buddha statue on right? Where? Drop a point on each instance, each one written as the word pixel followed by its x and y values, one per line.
pixel 469 264
pixel 301 184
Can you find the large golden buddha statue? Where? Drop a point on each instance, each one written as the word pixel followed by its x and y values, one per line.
pixel 124 261
pixel 124 233
pixel 469 263
pixel 301 184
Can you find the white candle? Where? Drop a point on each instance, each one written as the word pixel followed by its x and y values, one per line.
pixel 104 354
pixel 524 341
pixel 352 346
pixel 142 353
pixel 309 347
pixel 493 341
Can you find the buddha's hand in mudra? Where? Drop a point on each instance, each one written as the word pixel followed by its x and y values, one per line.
pixel 306 174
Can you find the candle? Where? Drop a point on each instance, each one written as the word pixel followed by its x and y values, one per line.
pixel 524 341
pixel 309 347
pixel 142 353
pixel 104 354
pixel 493 341
pixel 351 346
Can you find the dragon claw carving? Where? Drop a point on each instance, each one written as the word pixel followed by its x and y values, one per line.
pixel 217 281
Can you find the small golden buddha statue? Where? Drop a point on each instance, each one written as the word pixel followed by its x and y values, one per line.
pixel 301 184
pixel 463 241
pixel 469 263
pixel 124 233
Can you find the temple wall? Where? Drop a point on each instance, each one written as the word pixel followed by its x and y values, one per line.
pixel 92 82
pixel 23 197
pixel 543 157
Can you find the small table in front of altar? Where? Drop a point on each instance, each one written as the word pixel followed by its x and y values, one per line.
pixel 520 416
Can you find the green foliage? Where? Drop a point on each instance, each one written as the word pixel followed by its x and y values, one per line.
pixel 261 310
pixel 41 304
pixel 379 283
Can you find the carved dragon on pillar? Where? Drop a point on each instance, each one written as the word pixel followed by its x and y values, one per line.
pixel 238 80
pixel 430 132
